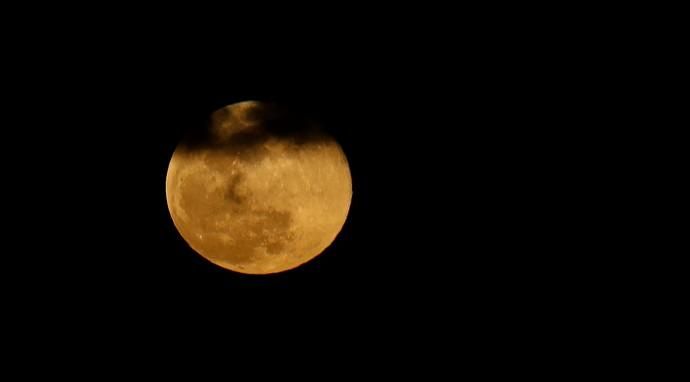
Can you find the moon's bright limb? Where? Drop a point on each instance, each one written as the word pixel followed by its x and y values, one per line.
pixel 261 191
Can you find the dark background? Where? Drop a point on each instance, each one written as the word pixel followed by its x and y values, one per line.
pixel 506 189
pixel 464 142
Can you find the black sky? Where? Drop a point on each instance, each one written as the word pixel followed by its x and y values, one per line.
pixel 457 150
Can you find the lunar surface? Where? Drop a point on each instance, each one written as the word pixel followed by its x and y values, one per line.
pixel 260 191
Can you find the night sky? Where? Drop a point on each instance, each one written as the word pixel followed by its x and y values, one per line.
pixel 457 204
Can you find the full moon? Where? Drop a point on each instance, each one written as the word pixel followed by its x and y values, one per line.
pixel 261 190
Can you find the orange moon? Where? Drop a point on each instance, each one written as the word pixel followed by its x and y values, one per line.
pixel 262 190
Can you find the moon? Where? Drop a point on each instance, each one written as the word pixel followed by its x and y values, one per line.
pixel 261 190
